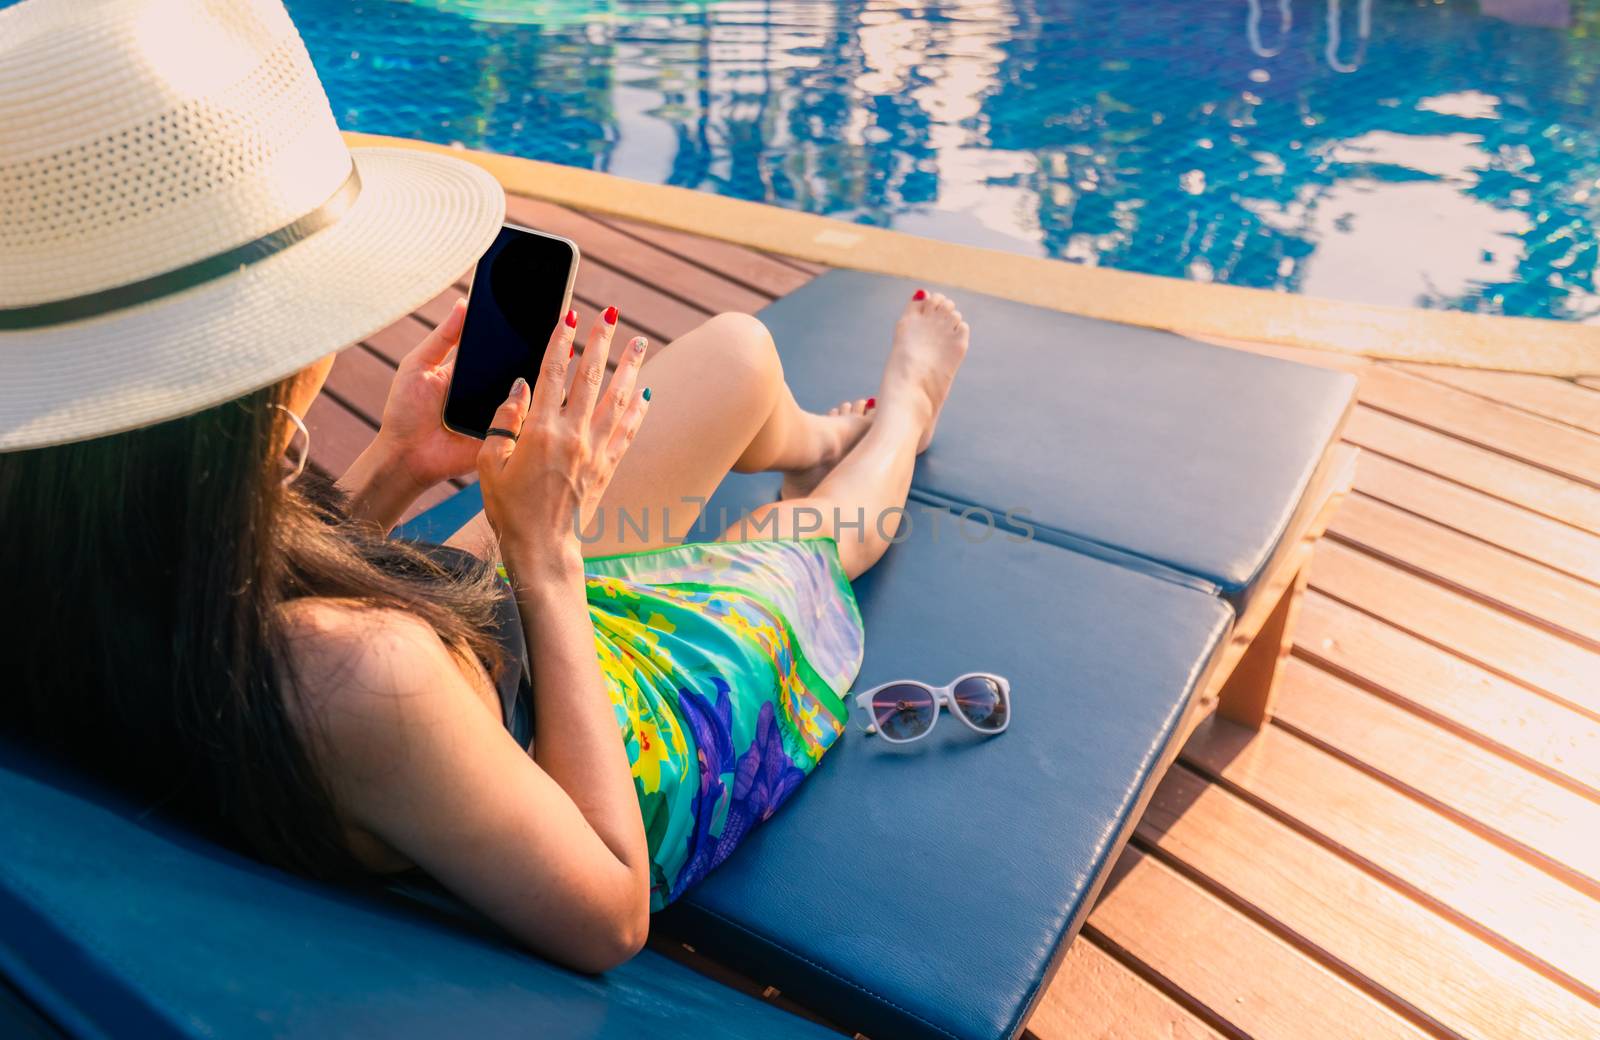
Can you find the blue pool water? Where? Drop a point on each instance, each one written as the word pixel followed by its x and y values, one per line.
pixel 1432 153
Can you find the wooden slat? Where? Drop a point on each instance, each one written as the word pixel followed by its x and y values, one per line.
pixel 800 265
pixel 1518 530
pixel 397 340
pixel 1557 399
pixel 1346 917
pixel 1546 922
pixel 1549 825
pixel 1476 704
pixel 1224 965
pixel 654 313
pixel 438 309
pixel 1557 448
pixel 756 271
pixel 661 269
pixel 338 435
pixel 1095 997
pixel 1354 364
pixel 1475 568
pixel 360 379
pixel 1517 482
pixel 1503 644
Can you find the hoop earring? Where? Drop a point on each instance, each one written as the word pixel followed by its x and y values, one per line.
pixel 298 465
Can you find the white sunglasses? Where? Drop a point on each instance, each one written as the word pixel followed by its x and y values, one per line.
pixel 906 709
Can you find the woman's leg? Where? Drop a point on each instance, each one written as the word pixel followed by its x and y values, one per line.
pixel 718 403
pixel 860 501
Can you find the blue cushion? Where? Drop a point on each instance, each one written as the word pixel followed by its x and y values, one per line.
pixel 437 524
pixel 115 924
pixel 1168 454
pixel 1162 454
pixel 926 890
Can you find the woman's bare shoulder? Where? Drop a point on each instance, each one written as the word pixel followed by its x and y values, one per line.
pixel 339 633
pixel 375 692
pixel 368 663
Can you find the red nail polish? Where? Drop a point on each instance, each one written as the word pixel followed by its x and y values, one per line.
pixel 572 319
pixel 611 315
pixel 872 402
pixel 920 294
pixel 571 351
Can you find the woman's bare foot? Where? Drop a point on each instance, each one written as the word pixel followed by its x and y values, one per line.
pixel 833 435
pixel 930 342
pixel 860 406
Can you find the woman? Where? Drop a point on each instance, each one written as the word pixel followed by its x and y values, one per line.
pixel 252 651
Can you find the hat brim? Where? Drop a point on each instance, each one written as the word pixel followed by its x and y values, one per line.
pixel 419 222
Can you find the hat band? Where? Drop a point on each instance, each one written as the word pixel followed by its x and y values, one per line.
pixel 92 305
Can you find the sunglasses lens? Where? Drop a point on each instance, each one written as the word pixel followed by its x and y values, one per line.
pixel 904 711
pixel 979 699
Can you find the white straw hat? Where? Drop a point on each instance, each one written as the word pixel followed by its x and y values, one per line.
pixel 180 221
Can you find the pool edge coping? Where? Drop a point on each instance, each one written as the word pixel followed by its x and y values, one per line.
pixel 1535 345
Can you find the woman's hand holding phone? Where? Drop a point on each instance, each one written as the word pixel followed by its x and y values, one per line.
pixel 547 462
pixel 413 450
pixel 424 449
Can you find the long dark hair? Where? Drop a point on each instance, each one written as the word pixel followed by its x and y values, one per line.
pixel 146 573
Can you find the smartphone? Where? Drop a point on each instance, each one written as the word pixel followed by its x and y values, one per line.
pixel 520 289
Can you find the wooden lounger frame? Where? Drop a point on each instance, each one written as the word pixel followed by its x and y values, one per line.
pixel 1244 682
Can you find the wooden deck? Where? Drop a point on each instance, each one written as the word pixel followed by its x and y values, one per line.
pixel 1413 847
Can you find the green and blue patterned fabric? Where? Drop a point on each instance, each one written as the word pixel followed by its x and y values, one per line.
pixel 727 664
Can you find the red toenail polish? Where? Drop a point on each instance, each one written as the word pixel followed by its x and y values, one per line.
pixel 920 294
pixel 611 315
pixel 872 402
pixel 572 319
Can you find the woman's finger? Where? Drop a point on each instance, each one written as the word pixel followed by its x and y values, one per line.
pixel 552 382
pixel 628 425
pixel 443 339
pixel 592 366
pixel 509 417
pixel 619 391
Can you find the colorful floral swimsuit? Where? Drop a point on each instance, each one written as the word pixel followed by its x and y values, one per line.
pixel 727 664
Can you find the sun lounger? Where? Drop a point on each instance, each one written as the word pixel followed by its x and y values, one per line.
pixel 1173 490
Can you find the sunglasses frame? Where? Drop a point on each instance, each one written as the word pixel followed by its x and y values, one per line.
pixel 943 698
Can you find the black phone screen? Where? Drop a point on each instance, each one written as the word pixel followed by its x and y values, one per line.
pixel 519 292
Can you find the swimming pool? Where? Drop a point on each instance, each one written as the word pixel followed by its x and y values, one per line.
pixel 1431 153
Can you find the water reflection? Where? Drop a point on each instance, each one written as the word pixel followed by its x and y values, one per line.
pixel 1411 151
pixel 1331 53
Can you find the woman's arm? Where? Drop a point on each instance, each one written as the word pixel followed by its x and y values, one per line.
pixel 578 743
pixel 412 451
pixel 541 484
pixel 379 487
pixel 417 760
pixel 537 488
